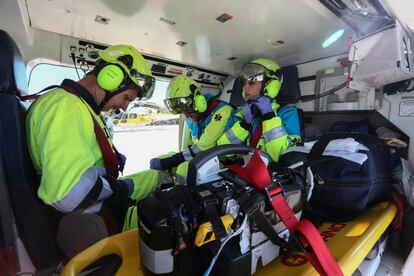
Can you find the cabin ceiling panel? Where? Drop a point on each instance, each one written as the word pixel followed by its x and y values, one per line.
pixel 301 24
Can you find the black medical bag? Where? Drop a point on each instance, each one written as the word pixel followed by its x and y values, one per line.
pixel 342 188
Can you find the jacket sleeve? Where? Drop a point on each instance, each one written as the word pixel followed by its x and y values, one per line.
pixel 275 137
pixel 213 131
pixel 71 161
pixel 237 134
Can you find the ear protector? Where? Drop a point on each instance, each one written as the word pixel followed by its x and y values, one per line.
pixel 110 77
pixel 200 102
pixel 273 85
pixel 272 88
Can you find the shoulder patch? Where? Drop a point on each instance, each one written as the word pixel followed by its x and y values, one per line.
pixel 218 117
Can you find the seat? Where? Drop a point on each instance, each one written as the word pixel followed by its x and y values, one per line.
pixel 36 223
pixel 49 237
pixel 289 92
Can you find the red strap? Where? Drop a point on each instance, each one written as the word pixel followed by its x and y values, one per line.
pixel 261 178
pixel 319 256
pixel 212 106
pixel 108 154
pixel 8 258
pixel 398 200
pixel 256 136
pixel 283 210
pixel 38 94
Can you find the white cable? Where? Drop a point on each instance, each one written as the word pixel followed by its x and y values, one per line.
pixel 213 261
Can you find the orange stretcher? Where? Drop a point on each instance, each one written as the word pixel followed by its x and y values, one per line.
pixel 349 243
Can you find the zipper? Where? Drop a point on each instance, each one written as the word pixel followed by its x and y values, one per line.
pixel 321 181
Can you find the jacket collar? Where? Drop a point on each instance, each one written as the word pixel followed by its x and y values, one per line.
pixel 83 93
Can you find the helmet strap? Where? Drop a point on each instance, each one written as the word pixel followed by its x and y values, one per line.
pixel 109 95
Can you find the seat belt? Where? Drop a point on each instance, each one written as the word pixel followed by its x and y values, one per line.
pixel 256 136
pixel 308 236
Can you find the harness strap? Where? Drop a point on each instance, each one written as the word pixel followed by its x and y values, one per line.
pixel 256 136
pixel 210 202
pixel 250 205
pixel 212 106
pixel 109 154
pixel 309 238
pixel 398 201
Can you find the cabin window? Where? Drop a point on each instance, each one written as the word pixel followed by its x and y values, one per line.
pixel 44 75
pixel 153 134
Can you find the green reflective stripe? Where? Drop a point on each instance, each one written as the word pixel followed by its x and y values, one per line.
pixel 131 219
pixel 233 139
pixel 79 191
pixel 274 133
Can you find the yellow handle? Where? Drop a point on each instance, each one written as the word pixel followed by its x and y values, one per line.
pixel 124 245
pixel 205 231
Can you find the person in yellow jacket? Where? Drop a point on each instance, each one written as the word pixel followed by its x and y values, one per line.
pixel 71 146
pixel 206 120
pixel 263 122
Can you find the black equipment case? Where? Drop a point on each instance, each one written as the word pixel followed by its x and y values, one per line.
pixel 168 221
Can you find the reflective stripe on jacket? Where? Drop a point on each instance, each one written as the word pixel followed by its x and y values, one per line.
pixel 277 132
pixel 64 149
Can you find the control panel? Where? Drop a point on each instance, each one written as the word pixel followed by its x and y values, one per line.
pixel 84 55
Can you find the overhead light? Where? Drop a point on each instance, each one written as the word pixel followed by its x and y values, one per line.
pixel 334 37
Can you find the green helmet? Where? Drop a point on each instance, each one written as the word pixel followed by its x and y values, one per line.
pixel 123 64
pixel 183 95
pixel 265 70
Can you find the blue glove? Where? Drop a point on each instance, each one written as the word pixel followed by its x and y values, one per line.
pixel 155 164
pixel 247 112
pixel 121 188
pixel 129 183
pixel 264 104
pixel 121 161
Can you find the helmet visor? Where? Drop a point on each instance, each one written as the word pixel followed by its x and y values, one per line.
pixel 145 83
pixel 179 105
pixel 253 72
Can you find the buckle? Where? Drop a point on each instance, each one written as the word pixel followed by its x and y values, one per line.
pixel 207 198
pixel 273 191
